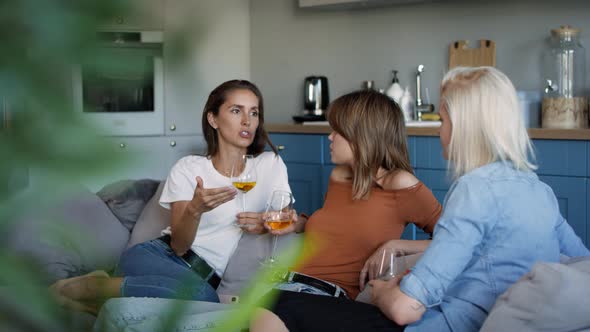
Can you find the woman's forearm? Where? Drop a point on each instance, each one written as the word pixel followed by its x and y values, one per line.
pixel 406 310
pixel 409 247
pixel 184 224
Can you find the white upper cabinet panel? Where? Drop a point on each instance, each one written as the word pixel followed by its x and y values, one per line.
pixel 143 15
pixel 206 43
pixel 338 4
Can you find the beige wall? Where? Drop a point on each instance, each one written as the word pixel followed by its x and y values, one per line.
pixel 348 46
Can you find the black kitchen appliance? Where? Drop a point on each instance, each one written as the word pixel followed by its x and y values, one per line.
pixel 316 99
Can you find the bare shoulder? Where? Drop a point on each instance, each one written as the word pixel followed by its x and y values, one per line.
pixel 341 173
pixel 399 180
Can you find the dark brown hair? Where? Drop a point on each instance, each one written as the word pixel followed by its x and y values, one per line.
pixel 216 98
pixel 374 126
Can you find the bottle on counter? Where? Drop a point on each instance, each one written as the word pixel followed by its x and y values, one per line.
pixel 395 90
pixel 407 104
pixel 565 104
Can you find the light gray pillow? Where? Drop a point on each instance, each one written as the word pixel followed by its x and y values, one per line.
pixel 152 220
pixel 551 297
pixel 241 268
pixel 76 236
pixel 127 198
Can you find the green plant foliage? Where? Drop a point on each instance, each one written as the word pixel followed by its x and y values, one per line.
pixel 41 40
pixel 41 134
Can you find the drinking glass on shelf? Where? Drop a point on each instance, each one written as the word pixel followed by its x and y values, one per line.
pixel 278 215
pixel 243 176
pixel 393 263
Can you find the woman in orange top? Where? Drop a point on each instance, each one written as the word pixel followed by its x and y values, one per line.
pixel 372 196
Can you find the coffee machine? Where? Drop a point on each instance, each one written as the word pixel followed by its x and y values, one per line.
pixel 316 99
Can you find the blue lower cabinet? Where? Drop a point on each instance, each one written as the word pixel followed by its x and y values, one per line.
pixel 436 180
pixel 572 198
pixel 412 150
pixel 306 184
pixel 566 158
pixel 299 148
pixel 428 152
pixel 409 232
pixel 326 171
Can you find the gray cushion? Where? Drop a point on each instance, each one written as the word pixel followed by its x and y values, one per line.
pixel 152 220
pixel 551 297
pixel 78 235
pixel 150 314
pixel 127 198
pixel 246 260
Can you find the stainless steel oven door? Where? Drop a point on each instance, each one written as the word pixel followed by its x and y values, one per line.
pixel 125 101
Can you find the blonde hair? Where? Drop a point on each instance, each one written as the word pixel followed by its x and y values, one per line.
pixel 487 122
pixel 373 125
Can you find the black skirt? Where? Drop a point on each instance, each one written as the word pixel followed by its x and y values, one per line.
pixel 309 312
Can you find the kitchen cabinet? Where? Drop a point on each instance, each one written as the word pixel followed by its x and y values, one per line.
pixel 303 155
pixel 197 58
pixel 563 164
pixel 572 197
pixel 142 15
pixel 149 157
pixel 346 4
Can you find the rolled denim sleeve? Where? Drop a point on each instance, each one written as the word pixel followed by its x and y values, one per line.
pixel 569 243
pixel 469 212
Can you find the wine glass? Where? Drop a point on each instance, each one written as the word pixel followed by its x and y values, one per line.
pixel 278 215
pixel 243 176
pixel 393 263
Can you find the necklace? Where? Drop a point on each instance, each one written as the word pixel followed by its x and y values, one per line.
pixel 224 172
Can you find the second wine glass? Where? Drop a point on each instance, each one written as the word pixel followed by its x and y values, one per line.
pixel 278 215
pixel 243 176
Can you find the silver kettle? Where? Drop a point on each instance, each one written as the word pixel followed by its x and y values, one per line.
pixel 316 95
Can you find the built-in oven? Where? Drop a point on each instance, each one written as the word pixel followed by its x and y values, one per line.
pixel 121 90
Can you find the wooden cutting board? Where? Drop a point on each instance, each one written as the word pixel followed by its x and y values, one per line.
pixel 460 54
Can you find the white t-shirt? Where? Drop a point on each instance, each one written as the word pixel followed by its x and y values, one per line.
pixel 217 237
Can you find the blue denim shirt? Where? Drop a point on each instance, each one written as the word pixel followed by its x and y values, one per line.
pixel 497 222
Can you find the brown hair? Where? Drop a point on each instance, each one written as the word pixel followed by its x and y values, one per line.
pixel 373 124
pixel 216 98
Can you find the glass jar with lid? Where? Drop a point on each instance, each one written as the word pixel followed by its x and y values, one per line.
pixel 564 102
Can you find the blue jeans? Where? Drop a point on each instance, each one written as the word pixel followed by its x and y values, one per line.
pixel 152 269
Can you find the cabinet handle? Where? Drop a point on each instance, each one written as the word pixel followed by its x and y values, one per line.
pixel 280 147
pixel 172 143
pixel 119 20
pixel 122 145
pixel 172 127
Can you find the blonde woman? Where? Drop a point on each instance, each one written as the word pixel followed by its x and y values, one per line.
pixel 498 220
pixel 372 195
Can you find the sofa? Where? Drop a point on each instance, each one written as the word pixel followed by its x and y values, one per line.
pixel 88 231
pixel 97 227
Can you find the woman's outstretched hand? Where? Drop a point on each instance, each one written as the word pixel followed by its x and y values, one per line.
pixel 205 200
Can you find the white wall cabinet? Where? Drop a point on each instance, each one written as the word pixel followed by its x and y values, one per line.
pixel 206 42
pixel 146 157
pixel 143 15
pixel 337 4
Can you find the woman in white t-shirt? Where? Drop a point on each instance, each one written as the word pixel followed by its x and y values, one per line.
pixel 188 260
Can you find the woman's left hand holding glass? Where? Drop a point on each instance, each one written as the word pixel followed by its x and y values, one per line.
pixel 294 226
pixel 251 222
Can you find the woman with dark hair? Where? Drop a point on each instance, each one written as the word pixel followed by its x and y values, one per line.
pixel 372 195
pixel 189 259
